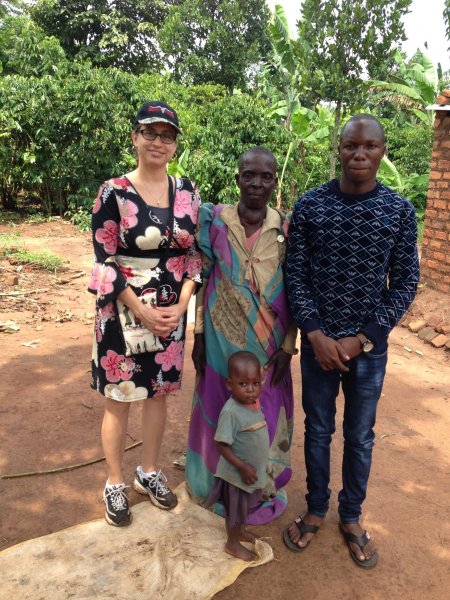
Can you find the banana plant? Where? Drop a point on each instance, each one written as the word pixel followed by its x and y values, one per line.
pixel 304 125
pixel 413 88
pixel 178 166
pixel 414 186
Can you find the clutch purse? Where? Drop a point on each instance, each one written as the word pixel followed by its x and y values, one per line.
pixel 137 338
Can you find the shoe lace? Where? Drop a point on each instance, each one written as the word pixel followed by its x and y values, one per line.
pixel 160 480
pixel 117 497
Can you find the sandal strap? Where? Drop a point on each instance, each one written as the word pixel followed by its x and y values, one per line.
pixel 361 540
pixel 305 527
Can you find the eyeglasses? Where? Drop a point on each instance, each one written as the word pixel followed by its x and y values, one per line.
pixel 166 137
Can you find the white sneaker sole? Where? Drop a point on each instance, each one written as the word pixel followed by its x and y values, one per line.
pixel 111 522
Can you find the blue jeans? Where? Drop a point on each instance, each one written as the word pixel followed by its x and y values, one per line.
pixel 362 388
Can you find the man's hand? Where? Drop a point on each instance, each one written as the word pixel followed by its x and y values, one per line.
pixel 329 353
pixel 280 361
pixel 351 345
pixel 199 353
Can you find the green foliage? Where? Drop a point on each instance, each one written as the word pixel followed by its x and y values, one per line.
pixel 447 19
pixel 414 187
pixel 26 50
pixel 412 86
pixel 215 41
pixel 409 147
pixel 108 33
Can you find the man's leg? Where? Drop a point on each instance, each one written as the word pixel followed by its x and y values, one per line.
pixel 362 389
pixel 319 391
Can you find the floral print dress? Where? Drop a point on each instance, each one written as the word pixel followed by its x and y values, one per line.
pixel 134 247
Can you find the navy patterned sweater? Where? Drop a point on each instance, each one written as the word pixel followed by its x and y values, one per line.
pixel 352 261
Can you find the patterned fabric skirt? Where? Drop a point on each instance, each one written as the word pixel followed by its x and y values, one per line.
pixel 237 503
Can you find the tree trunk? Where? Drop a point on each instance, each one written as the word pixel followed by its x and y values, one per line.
pixel 335 138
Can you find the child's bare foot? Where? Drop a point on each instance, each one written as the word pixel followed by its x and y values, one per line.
pixel 237 550
pixel 247 536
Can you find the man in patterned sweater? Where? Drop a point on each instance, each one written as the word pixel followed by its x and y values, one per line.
pixel 352 271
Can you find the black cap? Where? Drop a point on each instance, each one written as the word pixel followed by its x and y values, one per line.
pixel 157 112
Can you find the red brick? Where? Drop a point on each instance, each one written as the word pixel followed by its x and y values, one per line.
pixel 444 328
pixel 435 175
pixel 430 212
pixel 435 244
pixel 443 288
pixel 445 144
pixel 431 264
pixel 439 341
pixel 440 235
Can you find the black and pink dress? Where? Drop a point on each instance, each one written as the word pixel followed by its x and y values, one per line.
pixel 151 250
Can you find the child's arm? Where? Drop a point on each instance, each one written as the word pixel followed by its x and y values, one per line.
pixel 247 472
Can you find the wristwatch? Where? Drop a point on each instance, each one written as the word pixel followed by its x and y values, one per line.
pixel 366 344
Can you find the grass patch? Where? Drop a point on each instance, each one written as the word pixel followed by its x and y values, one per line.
pixel 10 248
pixel 39 258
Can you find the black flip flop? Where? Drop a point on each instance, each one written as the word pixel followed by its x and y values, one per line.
pixel 303 528
pixel 361 541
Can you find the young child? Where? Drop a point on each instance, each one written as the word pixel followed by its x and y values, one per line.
pixel 243 441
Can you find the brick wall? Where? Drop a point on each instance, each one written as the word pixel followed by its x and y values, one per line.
pixel 435 262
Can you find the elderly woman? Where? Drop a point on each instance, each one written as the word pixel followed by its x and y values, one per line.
pixel 243 307
pixel 147 267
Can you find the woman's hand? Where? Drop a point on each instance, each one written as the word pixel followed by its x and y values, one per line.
pixel 160 320
pixel 199 353
pixel 280 361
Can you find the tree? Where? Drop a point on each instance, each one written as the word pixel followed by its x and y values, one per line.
pixel 303 124
pixel 10 7
pixel 447 19
pixel 119 33
pixel 215 41
pixel 348 41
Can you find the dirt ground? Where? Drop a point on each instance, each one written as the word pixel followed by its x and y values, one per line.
pixel 50 418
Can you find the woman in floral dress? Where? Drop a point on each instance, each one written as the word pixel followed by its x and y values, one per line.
pixel 147 266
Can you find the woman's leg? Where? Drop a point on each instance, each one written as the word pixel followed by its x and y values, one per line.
pixel 114 431
pixel 148 479
pixel 154 415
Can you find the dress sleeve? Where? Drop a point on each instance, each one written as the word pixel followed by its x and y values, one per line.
pixel 193 264
pixel 107 280
pixel 205 217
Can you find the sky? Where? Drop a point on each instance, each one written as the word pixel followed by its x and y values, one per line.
pixel 424 23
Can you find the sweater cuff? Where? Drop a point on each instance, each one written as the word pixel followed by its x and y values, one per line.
pixel 377 334
pixel 309 325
